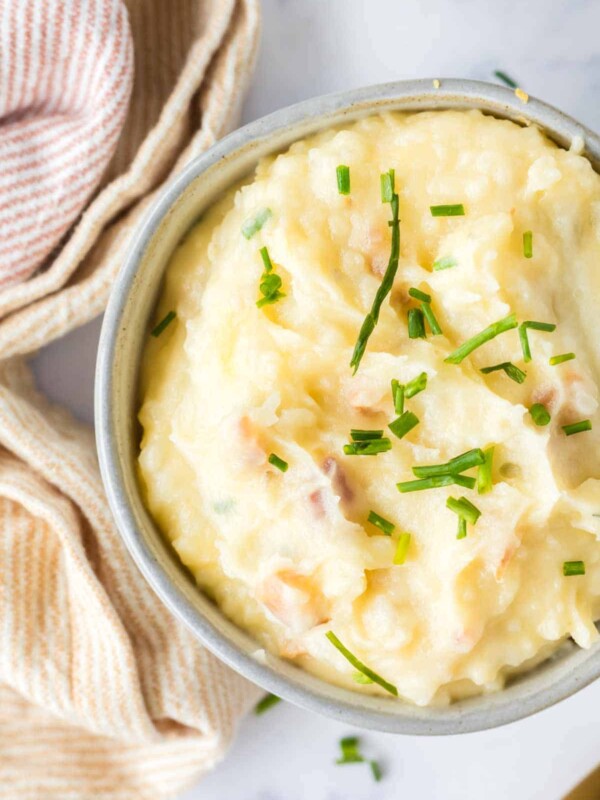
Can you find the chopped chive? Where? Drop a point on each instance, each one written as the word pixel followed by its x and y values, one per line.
pixel 403 424
pixel 416 385
pixel 266 259
pixel 505 78
pixel 535 326
pixel 369 448
pixel 398 390
pixel 419 295
pixel 527 244
pixel 577 427
pixel 446 262
pixel 540 414
pixel 462 528
pixel 493 330
pixel 573 568
pixel 464 481
pixel 376 770
pixel 358 435
pixel 389 687
pixel 358 677
pixel 402 548
pixel 381 523
pixel 253 225
pixel 464 508
pixel 426 483
pixel 472 458
pixel 343 179
pixel 449 210
pixel 484 473
pixel 350 753
pixel 278 462
pixel 164 323
pixel 372 317
pixel 270 283
pixel 511 370
pixel 416 324
pixel 431 320
pixel 266 703
pixel 554 360
pixel 387 180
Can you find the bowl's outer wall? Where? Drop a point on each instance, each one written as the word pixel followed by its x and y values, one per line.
pixel 124 332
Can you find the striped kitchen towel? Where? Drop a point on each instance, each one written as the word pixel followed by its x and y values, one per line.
pixel 102 694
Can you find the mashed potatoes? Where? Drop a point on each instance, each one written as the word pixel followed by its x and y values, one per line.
pixel 290 555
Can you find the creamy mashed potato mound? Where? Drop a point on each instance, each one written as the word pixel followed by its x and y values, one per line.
pixel 290 556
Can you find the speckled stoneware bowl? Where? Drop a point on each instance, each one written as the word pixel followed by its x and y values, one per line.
pixel 124 333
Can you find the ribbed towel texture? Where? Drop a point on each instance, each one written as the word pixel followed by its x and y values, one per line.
pixel 103 695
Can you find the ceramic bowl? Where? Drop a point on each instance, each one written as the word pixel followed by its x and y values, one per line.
pixel 124 333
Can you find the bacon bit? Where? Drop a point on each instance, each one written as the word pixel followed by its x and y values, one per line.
pixel 339 481
pixel 317 503
pixel 547 395
pixel 293 599
pixel 253 453
pixel 505 560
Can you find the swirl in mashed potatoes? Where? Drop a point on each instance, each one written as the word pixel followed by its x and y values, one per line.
pixel 290 555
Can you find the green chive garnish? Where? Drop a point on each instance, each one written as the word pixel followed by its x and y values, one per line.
pixel 405 423
pixel 465 481
pixel 252 226
pixel 484 473
pixel 450 210
pixel 577 427
pixel 398 390
pixel 369 448
pixel 539 414
pixel 343 179
pixel 266 703
pixel 511 370
pixel 375 770
pixel 402 548
pixel 416 324
pixel 528 244
pixel 358 435
pixel 270 283
pixel 535 326
pixel 573 568
pixel 349 748
pixel 426 483
pixel 431 320
pixel 164 323
pixel 505 78
pixel 464 508
pixel 419 295
pixel 446 262
pixel 416 385
pixel 387 186
pixel 277 462
pixel 358 677
pixel 561 359
pixel 486 335
pixel 389 687
pixel 381 523
pixel 466 512
pixel 372 317
pixel 472 458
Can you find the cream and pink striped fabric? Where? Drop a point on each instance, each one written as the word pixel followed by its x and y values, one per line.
pixel 102 695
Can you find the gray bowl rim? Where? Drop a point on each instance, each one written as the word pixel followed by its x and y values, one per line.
pixel 498 708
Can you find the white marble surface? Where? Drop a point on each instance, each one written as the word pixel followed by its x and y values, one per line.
pixel 315 46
